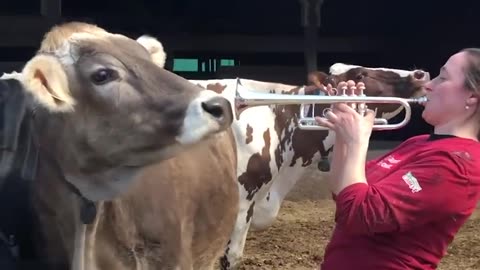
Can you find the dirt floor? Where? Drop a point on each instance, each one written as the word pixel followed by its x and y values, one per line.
pixel 298 238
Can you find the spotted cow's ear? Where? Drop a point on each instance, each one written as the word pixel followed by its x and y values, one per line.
pixel 45 78
pixel 155 48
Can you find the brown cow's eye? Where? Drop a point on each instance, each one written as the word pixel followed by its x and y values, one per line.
pixel 103 76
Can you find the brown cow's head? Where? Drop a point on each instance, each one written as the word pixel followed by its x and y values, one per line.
pixel 105 102
pixel 382 82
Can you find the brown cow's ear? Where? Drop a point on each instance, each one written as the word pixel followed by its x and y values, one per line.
pixel 155 48
pixel 45 78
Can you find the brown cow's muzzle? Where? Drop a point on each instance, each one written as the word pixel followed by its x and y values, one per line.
pixel 220 110
pixel 207 114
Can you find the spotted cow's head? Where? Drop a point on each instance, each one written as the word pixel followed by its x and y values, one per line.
pixel 379 82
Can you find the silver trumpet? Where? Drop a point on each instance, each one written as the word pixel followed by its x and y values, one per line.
pixel 245 99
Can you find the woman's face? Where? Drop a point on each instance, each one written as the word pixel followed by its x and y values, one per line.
pixel 448 99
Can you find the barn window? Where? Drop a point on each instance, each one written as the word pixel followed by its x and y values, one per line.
pixel 185 65
pixel 227 62
pixel 195 65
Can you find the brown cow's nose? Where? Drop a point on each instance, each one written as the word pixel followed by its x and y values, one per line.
pixel 220 109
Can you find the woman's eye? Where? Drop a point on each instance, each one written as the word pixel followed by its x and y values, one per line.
pixel 103 76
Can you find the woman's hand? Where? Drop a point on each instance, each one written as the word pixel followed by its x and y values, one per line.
pixel 352 132
pixel 348 124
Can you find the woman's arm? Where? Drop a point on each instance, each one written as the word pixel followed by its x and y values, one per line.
pixel 348 166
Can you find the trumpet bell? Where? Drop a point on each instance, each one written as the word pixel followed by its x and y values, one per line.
pixel 245 98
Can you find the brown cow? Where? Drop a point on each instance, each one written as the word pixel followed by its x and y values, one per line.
pixel 136 165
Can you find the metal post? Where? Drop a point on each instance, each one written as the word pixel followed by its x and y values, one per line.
pixel 310 14
pixel 51 9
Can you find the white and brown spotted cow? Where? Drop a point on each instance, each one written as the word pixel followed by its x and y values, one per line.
pixel 273 153
pixel 136 166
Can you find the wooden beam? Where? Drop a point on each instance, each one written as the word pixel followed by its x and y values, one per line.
pixel 268 44
pixel 22 24
pixel 230 43
pixel 27 31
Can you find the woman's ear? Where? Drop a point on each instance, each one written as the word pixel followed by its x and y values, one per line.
pixel 472 100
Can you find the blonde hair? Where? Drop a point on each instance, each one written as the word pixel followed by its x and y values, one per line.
pixel 472 70
pixel 472 73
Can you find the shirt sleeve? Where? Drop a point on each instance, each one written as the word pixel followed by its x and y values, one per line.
pixel 429 188
pixel 368 164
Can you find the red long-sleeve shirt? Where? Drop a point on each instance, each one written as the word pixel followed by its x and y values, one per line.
pixel 417 198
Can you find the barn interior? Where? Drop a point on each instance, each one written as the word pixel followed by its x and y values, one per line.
pixel 273 41
pixel 264 40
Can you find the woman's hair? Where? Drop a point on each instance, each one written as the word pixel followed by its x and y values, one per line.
pixel 472 70
pixel 472 73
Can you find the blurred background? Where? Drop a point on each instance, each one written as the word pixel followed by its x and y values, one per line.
pixel 266 40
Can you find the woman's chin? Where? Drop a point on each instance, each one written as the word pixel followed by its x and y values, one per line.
pixel 426 116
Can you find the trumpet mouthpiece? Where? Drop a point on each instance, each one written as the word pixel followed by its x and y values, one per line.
pixel 421 100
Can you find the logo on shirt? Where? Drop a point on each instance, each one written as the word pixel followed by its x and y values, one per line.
pixel 388 162
pixel 412 182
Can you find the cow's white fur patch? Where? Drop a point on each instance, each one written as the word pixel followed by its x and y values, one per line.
pixel 340 68
pixel 198 123
pixel 12 76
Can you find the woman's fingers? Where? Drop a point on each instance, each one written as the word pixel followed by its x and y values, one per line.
pixel 359 88
pixel 329 120
pixel 331 116
pixel 322 121
pixel 351 87
pixel 344 108
pixel 331 91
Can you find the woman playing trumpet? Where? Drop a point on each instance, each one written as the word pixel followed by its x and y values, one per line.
pixel 403 209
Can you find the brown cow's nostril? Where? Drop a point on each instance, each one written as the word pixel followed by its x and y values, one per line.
pixel 220 109
pixel 213 108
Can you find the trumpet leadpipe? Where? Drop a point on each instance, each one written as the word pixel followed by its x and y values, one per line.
pixel 260 99
pixel 245 99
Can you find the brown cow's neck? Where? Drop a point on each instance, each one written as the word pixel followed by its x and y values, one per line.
pixel 88 209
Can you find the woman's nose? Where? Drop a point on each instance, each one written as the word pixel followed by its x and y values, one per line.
pixel 428 86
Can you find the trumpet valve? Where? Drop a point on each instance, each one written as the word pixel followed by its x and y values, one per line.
pixel 353 94
pixel 361 88
pixel 362 107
